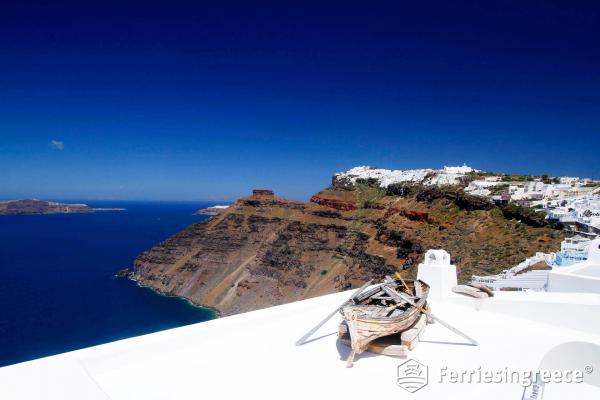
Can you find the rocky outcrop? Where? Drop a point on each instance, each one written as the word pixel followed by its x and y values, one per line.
pixel 335 204
pixel 264 250
pixel 337 200
pixel 263 192
pixel 211 211
pixel 123 273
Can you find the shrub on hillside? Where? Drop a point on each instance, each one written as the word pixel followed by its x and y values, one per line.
pixel 528 216
pixel 470 202
pixel 401 189
pixel 371 182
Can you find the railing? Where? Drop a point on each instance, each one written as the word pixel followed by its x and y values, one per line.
pixel 534 280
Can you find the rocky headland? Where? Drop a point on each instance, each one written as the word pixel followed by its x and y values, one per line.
pixel 211 211
pixel 264 250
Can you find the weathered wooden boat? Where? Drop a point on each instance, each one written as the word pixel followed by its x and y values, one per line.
pixel 383 310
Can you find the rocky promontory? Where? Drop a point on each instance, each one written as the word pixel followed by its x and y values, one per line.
pixel 265 250
pixel 211 211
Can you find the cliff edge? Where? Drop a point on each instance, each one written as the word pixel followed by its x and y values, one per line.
pixel 264 250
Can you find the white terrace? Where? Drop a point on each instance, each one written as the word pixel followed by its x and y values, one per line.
pixel 253 355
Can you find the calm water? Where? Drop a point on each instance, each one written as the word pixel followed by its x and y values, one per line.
pixel 57 291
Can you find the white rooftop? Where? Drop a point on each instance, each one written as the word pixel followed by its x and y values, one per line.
pixel 580 277
pixel 254 354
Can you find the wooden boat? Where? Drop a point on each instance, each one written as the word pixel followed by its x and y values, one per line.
pixel 382 311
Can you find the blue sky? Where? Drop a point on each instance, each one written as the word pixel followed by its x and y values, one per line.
pixel 207 100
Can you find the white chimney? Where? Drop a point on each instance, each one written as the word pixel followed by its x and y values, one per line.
pixel 438 273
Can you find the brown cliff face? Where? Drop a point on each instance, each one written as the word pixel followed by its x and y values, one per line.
pixel 264 250
pixel 337 200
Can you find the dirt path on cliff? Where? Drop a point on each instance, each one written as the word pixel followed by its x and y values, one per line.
pixel 231 281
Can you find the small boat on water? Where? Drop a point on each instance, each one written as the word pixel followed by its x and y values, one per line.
pixel 386 309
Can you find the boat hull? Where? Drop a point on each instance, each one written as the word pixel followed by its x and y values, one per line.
pixel 363 328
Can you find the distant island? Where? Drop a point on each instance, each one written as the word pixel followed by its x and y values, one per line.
pixel 35 206
pixel 212 211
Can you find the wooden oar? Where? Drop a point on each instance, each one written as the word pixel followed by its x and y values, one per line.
pixel 402 280
pixel 308 334
pixel 429 314
pixel 350 359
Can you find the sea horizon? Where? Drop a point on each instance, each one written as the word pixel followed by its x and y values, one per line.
pixel 88 201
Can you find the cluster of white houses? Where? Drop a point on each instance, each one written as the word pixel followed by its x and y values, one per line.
pixel 529 191
pixel 573 201
pixel 535 192
pixel 581 213
pixel 425 176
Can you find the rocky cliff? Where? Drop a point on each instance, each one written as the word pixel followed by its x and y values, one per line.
pixel 264 250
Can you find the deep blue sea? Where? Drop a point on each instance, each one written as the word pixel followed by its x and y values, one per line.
pixel 57 291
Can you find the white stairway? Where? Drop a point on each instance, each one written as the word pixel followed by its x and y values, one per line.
pixel 534 280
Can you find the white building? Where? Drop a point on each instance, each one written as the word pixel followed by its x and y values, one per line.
pixel 583 209
pixel 458 170
pixel 495 178
pixel 480 192
pixel 582 277
pixel 569 180
pixel 531 190
pixel 573 250
pixel 481 187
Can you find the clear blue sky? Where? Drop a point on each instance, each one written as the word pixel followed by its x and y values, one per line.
pixel 206 100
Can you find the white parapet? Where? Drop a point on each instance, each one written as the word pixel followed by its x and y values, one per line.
pixel 582 277
pixel 254 355
pixel 594 252
pixel 438 273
